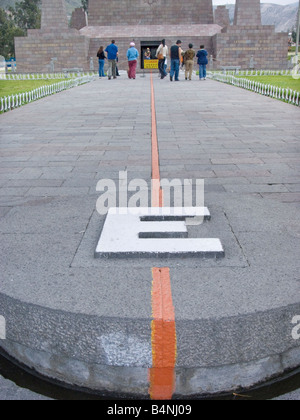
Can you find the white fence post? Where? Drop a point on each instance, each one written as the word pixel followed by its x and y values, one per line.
pixel 14 101
pixel 284 94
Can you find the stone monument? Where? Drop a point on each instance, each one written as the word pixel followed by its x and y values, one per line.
pixel 55 39
pixel 147 22
pixel 247 13
pixel 248 39
pixel 54 16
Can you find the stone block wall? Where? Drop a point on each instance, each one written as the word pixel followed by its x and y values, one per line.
pixel 78 19
pixel 237 44
pixel 54 40
pixel 222 16
pixel 34 52
pixel 54 15
pixel 247 12
pixel 149 12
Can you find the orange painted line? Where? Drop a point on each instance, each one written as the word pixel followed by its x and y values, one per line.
pixel 157 193
pixel 164 341
pixel 163 327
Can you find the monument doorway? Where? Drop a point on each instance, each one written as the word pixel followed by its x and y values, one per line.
pixel 148 47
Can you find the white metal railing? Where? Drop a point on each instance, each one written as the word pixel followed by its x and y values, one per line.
pixel 283 94
pixel 47 76
pixel 10 102
pixel 254 73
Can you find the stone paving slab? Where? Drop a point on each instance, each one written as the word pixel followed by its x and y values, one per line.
pixel 9 391
pixel 97 313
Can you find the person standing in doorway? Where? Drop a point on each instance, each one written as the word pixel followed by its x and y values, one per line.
pixel 101 58
pixel 189 62
pixel 175 53
pixel 202 61
pixel 112 55
pixel 161 54
pixel 147 54
pixel 132 56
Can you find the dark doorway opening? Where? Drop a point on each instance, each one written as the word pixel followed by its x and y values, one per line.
pixel 152 45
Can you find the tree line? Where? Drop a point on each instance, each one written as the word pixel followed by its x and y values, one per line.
pixel 15 22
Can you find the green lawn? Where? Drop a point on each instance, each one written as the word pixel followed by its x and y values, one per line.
pixel 280 81
pixel 13 87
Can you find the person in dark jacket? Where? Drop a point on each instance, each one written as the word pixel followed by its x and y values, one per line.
pixel 175 54
pixel 202 55
pixel 101 58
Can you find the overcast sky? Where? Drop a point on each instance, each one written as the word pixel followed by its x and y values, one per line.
pixel 221 2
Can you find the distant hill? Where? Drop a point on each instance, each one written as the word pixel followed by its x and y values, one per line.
pixel 283 17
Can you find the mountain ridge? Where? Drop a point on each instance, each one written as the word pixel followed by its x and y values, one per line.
pixel 283 17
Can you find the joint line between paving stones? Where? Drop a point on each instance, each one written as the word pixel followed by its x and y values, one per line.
pixel 80 242
pixel 237 239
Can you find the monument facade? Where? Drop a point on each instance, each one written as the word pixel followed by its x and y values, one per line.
pixel 147 22
pixel 249 44
pixel 150 12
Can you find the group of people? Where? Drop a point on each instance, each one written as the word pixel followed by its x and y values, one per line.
pixel 111 55
pixel 177 56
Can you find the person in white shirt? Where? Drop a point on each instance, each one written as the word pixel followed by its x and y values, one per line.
pixel 161 54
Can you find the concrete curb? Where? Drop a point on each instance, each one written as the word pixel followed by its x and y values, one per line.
pixel 107 354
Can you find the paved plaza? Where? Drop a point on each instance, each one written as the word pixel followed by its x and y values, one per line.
pixel 87 320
